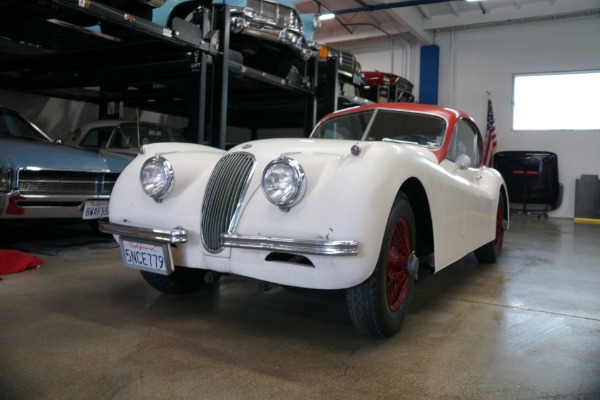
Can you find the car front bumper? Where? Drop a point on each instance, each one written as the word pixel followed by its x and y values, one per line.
pixel 16 205
pixel 289 245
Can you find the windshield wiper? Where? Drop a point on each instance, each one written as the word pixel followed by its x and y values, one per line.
pixel 421 141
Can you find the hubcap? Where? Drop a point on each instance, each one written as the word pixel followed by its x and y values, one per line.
pixel 397 278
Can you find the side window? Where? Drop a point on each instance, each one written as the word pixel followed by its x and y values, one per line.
pixel 97 137
pixel 92 139
pixel 465 141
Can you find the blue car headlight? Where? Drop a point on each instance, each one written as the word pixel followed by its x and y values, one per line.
pixel 284 182
pixel 157 177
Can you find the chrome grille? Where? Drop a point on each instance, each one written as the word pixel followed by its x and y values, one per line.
pixel 348 62
pixel 277 13
pixel 66 182
pixel 224 196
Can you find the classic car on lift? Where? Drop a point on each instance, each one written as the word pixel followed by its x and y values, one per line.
pixel 354 206
pixel 385 87
pixel 268 34
pixel 40 178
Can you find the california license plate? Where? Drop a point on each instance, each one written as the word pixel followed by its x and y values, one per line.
pixel 147 256
pixel 95 209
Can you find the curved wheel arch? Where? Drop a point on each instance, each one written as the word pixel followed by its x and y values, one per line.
pixel 414 190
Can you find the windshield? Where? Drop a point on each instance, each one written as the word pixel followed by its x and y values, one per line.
pixel 385 125
pixel 127 135
pixel 401 126
pixel 15 126
pixel 344 127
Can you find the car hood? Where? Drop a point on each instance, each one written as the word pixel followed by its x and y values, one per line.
pixel 273 148
pixel 276 147
pixel 24 153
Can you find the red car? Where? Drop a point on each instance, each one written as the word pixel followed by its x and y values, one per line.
pixel 384 87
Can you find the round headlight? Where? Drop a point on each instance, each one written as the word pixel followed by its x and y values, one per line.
pixel 156 177
pixel 283 182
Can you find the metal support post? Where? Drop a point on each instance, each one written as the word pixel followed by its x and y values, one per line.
pixel 199 68
pixel 331 85
pixel 310 103
pixel 393 93
pixel 220 84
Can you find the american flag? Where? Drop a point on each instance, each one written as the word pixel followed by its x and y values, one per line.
pixel 490 136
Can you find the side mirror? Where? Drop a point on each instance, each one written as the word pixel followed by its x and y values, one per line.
pixel 463 161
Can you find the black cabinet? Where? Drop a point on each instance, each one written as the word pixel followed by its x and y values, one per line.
pixel 532 180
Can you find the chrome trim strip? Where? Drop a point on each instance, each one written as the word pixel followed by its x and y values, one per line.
pixel 173 236
pixel 302 246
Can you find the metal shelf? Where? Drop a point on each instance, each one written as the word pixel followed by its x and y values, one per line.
pixel 55 48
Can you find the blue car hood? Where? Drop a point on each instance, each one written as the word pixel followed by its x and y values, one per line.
pixel 15 153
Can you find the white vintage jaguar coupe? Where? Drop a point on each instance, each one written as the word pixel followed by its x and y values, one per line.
pixel 354 206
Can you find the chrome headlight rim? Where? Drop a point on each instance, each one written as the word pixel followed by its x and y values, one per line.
pixel 298 188
pixel 166 186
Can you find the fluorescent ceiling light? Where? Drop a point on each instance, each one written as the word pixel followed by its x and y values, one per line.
pixel 326 16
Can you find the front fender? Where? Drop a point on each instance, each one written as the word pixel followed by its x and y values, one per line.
pixel 347 198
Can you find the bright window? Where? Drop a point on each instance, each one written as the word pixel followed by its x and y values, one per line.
pixel 559 101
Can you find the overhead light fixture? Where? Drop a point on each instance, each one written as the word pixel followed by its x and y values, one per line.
pixel 326 16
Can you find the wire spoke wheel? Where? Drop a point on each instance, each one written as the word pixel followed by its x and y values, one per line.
pixel 378 306
pixel 397 278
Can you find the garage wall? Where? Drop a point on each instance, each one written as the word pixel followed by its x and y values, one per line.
pixel 473 62
pixel 58 117
pixel 479 60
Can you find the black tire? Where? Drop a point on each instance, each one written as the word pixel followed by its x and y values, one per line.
pixel 184 11
pixel 378 306
pixel 489 252
pixel 181 281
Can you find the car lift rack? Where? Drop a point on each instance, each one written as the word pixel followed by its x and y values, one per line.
pixel 186 62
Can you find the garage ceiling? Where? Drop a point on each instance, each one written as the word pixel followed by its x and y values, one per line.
pixel 419 20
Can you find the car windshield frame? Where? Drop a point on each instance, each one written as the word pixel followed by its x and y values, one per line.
pixel 13 125
pixel 386 125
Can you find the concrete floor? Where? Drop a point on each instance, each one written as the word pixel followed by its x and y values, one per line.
pixel 84 327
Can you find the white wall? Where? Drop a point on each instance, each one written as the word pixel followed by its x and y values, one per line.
pixel 396 55
pixel 473 62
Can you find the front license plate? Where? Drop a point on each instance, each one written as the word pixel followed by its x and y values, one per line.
pixel 147 256
pixel 95 209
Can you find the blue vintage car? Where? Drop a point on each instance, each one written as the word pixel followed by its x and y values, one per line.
pixel 269 34
pixel 40 178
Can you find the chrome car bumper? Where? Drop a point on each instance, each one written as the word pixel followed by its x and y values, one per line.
pixel 173 236
pixel 266 30
pixel 180 235
pixel 16 205
pixel 301 246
